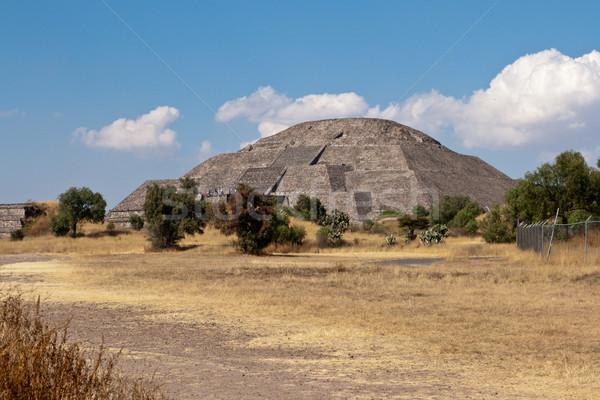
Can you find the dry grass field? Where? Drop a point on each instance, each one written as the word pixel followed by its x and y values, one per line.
pixel 483 321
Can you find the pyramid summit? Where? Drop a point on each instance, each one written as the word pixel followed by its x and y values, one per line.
pixel 359 165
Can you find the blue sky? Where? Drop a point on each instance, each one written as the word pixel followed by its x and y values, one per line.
pixel 85 100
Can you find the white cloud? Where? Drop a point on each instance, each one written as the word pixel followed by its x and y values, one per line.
pixel 541 98
pixel 545 100
pixel 205 150
pixel 12 113
pixel 148 134
pixel 275 111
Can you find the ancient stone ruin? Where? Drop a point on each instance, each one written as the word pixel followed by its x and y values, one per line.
pixel 360 165
pixel 12 217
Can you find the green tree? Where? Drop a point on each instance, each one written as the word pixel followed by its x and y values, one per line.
pixel 420 211
pixel 254 219
pixel 59 224
pixel 449 207
pixel 77 205
pixel 310 208
pixel 409 223
pixel 137 222
pixel 172 213
pixel 497 226
pixel 567 184
pixel 471 211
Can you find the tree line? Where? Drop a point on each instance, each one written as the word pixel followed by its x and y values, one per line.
pixel 567 184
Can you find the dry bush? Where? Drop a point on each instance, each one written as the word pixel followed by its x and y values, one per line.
pixel 37 362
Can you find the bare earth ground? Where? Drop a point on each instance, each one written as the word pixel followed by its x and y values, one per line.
pixel 214 326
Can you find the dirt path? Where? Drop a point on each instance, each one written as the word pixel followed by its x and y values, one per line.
pixel 208 361
pixel 205 359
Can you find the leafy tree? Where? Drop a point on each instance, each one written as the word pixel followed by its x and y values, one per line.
pixel 497 226
pixel 59 224
pixel 420 211
pixel 254 219
pixel 137 222
pixel 471 227
pixel 310 208
pixel 77 205
pixel 577 216
pixel 568 184
pixel 334 226
pixel 471 211
pixel 449 207
pixel 172 213
pixel 409 223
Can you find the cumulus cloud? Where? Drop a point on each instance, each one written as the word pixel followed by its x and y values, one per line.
pixel 12 113
pixel 542 97
pixel 275 111
pixel 148 134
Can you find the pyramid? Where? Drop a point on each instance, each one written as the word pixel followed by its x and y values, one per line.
pixel 362 166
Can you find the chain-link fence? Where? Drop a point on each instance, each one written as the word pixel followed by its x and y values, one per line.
pixel 581 239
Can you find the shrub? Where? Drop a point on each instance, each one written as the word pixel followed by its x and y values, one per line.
pixel 408 224
pixel 390 214
pixel 471 227
pixel 137 222
pixel 110 226
pixel 420 211
pixel 496 227
pixel 59 224
pixel 38 363
pixel 17 235
pixel 435 234
pixel 450 206
pixel 289 234
pixel 373 227
pixel 309 208
pixel 468 213
pixel 577 216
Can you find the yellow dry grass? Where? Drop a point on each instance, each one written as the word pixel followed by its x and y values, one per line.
pixel 511 325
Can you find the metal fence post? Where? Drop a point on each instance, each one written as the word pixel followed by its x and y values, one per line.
pixel 552 235
pixel 542 240
pixel 586 239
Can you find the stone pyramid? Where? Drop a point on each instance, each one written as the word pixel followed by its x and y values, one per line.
pixel 360 165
